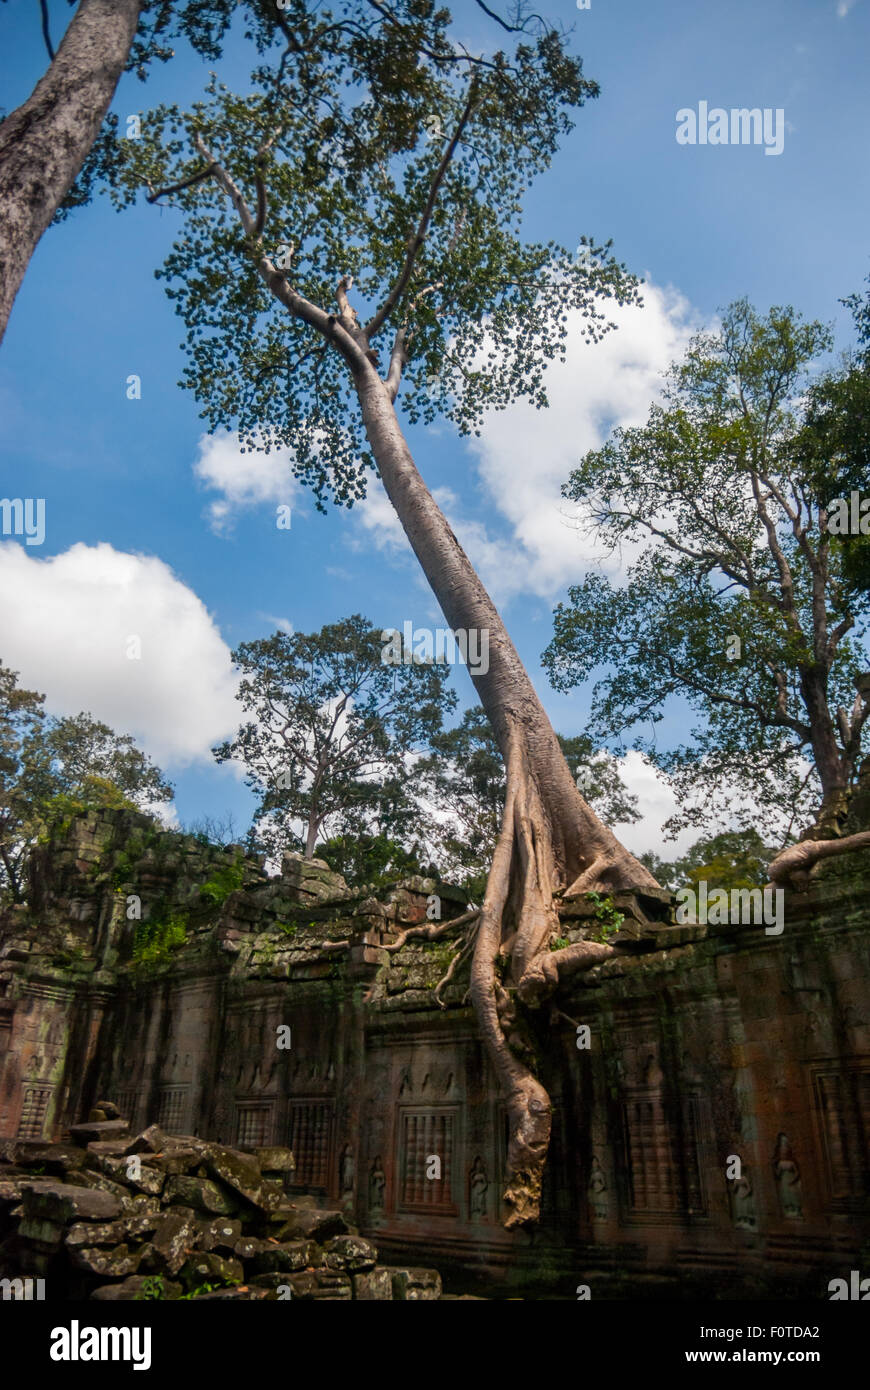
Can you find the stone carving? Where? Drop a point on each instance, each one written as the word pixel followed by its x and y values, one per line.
pixel 596 1191
pixel 346 1170
pixel 478 1186
pixel 377 1186
pixel 788 1180
pixel 742 1197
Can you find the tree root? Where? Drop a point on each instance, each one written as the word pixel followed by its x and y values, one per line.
pixel 432 930
pixel 791 867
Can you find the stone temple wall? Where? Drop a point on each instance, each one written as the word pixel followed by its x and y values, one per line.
pixel 706 1045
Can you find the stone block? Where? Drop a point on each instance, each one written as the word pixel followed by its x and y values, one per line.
pixel 375 1286
pixel 415 1284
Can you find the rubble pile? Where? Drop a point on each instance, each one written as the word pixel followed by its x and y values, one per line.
pixel 110 1215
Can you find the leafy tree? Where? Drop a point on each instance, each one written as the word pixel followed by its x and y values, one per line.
pixel 333 732
pixel 737 601
pixel 349 246
pixel 466 783
pixel 731 859
pixel 376 859
pixel 51 768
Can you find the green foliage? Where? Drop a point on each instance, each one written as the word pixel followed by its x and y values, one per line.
pixel 732 859
pixel 559 943
pixel 329 732
pixel 153 1288
pixel 376 859
pixel 52 769
pixel 226 879
pixel 354 128
pixel 288 928
pixel 724 493
pixel 157 939
pixel 605 915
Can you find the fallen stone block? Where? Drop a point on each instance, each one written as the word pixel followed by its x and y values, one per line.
pixel 117 1263
pixel 87 1233
pixel 220 1234
pixel 207 1267
pixel 351 1253
pixel 309 1224
pixel 64 1202
pixel 275 1159
pixel 320 1284
pixel 84 1134
pixel 201 1194
pixel 288 1255
pixel 374 1286
pixel 411 1284
pixel 173 1240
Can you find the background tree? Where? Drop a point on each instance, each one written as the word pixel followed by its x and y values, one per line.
pixel 731 859
pixel 51 768
pixel 333 734
pixel 737 600
pixel 465 784
pixel 350 232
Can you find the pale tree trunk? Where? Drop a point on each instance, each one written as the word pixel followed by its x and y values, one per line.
pixel 550 842
pixel 44 143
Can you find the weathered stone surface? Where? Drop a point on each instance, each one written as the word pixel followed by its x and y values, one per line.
pixel 351 1253
pixel 288 1255
pixel 85 1233
pixel 208 1267
pixel 411 1284
pixel 320 1284
pixel 220 1234
pixel 200 1193
pixel 275 1159
pixel 308 1223
pixel 102 1129
pixel 173 1240
pixel 375 1286
pixel 117 1263
pixel 62 1202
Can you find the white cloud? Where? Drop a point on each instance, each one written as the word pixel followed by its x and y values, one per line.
pixel 844 6
pixel 66 625
pixel 243 479
pixel 655 803
pixel 532 543
pixel 525 455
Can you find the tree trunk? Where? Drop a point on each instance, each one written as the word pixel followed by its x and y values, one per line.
pixel 550 841
pixel 831 764
pixel 44 143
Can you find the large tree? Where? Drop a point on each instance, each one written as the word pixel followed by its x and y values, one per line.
pixel 58 142
pixel 348 246
pixel 333 734
pixel 737 600
pixel 51 767
pixel 465 781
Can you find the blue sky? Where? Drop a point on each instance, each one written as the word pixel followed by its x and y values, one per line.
pixel 133 541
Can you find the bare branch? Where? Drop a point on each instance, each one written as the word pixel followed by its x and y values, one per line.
pixel 43 8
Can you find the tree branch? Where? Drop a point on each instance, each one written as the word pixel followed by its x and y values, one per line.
pixel 401 283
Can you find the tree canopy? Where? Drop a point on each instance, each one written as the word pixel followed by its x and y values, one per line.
pixel 737 598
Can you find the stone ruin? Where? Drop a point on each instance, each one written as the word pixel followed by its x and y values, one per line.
pixel 110 1216
pixel 712 1140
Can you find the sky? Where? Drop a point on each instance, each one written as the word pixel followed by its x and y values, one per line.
pixel 156 530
